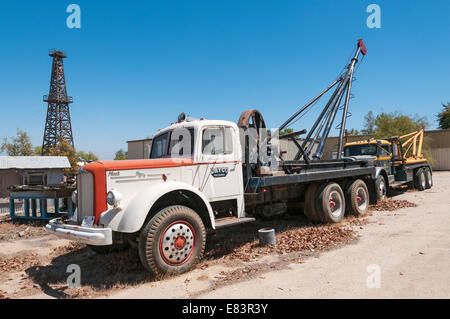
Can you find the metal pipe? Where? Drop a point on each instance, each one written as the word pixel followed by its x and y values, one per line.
pixel 307 105
pixel 318 130
pixel 344 117
pixel 327 129
pixel 347 100
pixel 325 109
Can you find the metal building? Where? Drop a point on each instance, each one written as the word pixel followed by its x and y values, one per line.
pixel 31 170
pixel 139 149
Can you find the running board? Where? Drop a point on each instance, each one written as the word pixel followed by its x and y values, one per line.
pixel 233 221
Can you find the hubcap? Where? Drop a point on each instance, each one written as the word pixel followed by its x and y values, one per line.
pixel 423 180
pixel 335 202
pixel 177 243
pixel 382 189
pixel 361 198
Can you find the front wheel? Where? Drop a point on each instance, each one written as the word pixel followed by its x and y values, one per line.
pixel 380 188
pixel 172 241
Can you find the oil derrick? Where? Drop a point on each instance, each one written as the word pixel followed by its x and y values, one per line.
pixel 57 124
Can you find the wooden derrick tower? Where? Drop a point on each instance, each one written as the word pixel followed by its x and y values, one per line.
pixel 57 124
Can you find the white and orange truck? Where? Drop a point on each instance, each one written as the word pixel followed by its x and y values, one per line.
pixel 209 174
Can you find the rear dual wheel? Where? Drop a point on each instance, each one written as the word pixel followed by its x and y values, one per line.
pixel 324 203
pixel 327 203
pixel 428 178
pixel 357 198
pixel 332 203
pixel 420 182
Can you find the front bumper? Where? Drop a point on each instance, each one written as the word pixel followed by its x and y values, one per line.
pixel 87 235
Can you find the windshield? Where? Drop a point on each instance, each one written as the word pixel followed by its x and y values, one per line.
pixel 176 143
pixel 364 149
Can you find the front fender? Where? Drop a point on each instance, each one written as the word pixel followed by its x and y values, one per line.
pixel 130 217
pixel 378 171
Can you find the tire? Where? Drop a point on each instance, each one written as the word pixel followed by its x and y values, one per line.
pixel 165 246
pixel 380 188
pixel 104 250
pixel 310 209
pixel 428 178
pixel 357 198
pixel 331 203
pixel 419 180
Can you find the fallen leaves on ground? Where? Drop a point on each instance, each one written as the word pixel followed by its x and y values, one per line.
pixel 392 204
pixel 312 238
pixel 10 230
pixel 4 295
pixel 18 263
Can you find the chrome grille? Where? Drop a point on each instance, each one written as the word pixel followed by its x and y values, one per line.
pixel 85 189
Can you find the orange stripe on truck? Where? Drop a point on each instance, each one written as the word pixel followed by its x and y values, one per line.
pixel 99 169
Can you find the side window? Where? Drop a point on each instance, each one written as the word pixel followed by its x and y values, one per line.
pixel 228 141
pixel 159 146
pixel 384 151
pixel 212 141
pixel 217 141
pixel 182 142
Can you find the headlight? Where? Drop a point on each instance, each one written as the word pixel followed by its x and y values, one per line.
pixel 75 197
pixel 113 198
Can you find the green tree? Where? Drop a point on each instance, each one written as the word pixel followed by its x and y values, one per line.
pixel 38 150
pixel 353 132
pixel 286 131
pixel 19 145
pixel 369 124
pixel 87 157
pixel 444 117
pixel 65 149
pixel 396 124
pixel 121 155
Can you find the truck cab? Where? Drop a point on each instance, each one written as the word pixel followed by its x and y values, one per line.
pixel 379 151
pixel 191 182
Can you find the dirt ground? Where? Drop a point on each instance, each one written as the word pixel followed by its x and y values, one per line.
pixel 408 246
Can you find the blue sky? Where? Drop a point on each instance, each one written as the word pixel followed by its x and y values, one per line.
pixel 135 65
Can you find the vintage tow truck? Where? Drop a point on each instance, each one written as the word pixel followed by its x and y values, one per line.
pixel 209 174
pixel 398 160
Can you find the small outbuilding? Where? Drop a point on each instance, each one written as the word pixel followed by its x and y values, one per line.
pixel 31 170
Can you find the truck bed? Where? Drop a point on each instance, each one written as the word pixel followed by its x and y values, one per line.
pixel 315 171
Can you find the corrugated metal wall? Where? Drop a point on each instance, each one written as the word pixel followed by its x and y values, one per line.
pixel 439 142
pixel 139 149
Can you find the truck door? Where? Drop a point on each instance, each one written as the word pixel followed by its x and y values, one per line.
pixel 384 158
pixel 219 173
